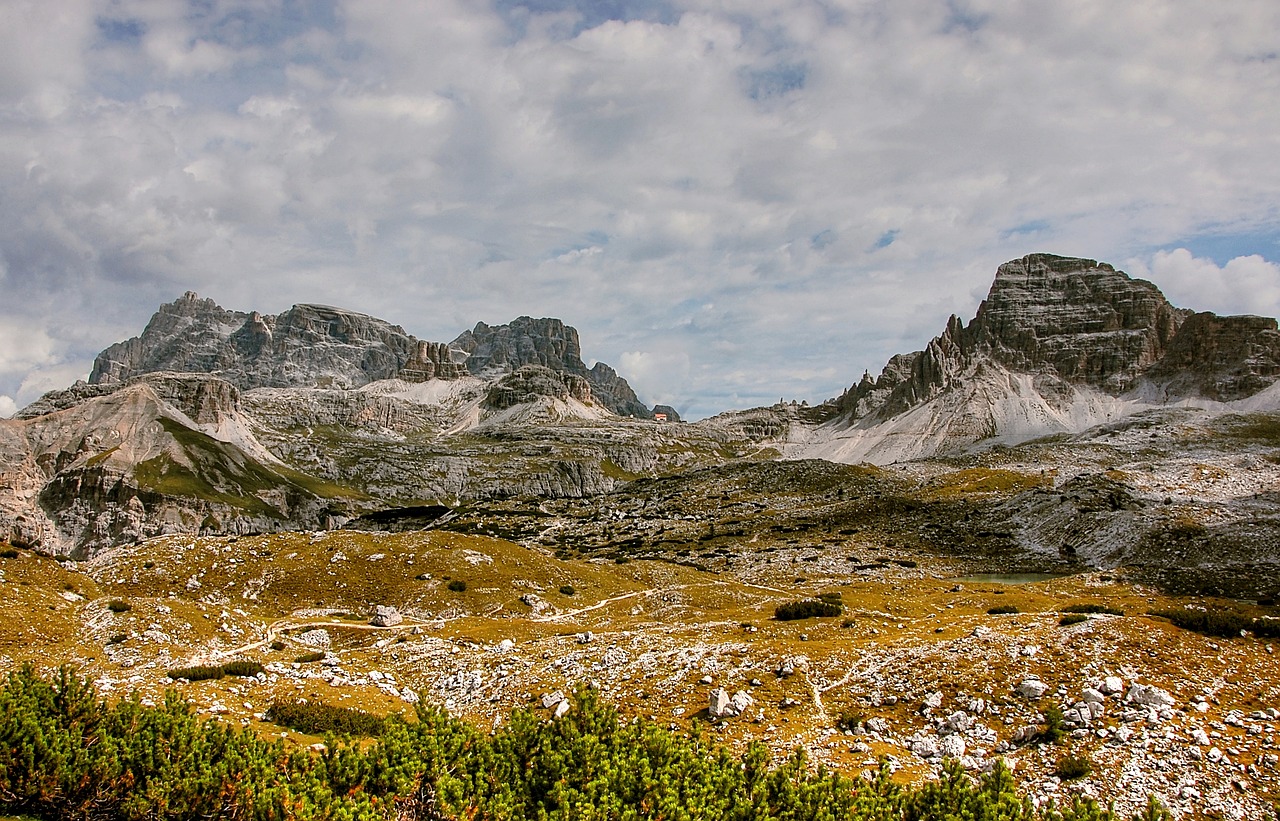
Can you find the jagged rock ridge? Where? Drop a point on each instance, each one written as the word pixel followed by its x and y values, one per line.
pixel 551 344
pixel 1058 344
pixel 317 346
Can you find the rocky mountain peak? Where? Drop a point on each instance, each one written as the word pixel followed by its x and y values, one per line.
pixel 1078 318
pixel 551 344
pixel 1058 343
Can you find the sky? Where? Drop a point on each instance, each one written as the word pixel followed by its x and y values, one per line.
pixel 734 201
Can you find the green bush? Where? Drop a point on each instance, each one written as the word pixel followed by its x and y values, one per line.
pixel 1072 618
pixel 198 673
pixel 457 586
pixel 1223 624
pixel 244 669
pixel 9 553
pixel 567 589
pixel 850 719
pixel 118 606
pixel 1003 610
pixel 1054 727
pixel 277 645
pixel 1073 767
pixel 118 638
pixel 807 609
pixel 318 719
pixel 69 754
pixel 308 658
pixel 1092 608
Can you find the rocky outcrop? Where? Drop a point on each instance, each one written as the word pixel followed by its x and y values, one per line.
pixel 530 382
pixel 307 345
pixel 551 344
pixel 1219 357
pixel 1059 344
pixel 431 360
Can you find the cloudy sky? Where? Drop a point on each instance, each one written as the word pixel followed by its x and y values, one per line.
pixel 733 200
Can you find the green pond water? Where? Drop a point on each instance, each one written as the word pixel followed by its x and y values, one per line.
pixel 1007 578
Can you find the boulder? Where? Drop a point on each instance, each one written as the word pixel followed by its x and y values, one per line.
pixel 1032 689
pixel 385 616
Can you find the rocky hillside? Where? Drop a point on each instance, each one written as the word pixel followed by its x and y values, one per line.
pixel 1059 345
pixel 316 346
pixel 548 343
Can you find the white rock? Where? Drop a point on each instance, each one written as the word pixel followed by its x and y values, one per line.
pixel 1090 695
pixel 720 704
pixel 951 746
pixel 550 700
pixel 385 616
pixel 1200 737
pixel 562 708
pixel 1147 696
pixel 741 701
pixel 1112 685
pixel 1033 689
pixel 933 700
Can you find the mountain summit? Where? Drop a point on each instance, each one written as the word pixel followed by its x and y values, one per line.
pixel 318 346
pixel 1059 344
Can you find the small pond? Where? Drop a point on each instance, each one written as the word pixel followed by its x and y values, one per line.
pixel 1008 578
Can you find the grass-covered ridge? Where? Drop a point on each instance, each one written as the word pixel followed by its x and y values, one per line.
pixel 64 753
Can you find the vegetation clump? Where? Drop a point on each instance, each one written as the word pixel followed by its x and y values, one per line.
pixel 1072 618
pixel 69 754
pixel 457 585
pixel 201 672
pixel 9 553
pixel 1003 610
pixel 1223 624
pixel 1073 767
pixel 308 658
pixel 319 719
pixel 1092 609
pixel 119 606
pixel 244 669
pixel 567 589
pixel 807 609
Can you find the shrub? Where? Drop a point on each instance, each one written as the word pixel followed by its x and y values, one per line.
pixel 1073 767
pixel 1093 608
pixel 1223 624
pixel 1054 727
pixel 835 597
pixel 118 606
pixel 198 673
pixel 9 553
pixel 118 638
pixel 1003 610
pixel 847 623
pixel 850 719
pixel 807 609
pixel 457 585
pixel 244 669
pixel 1072 618
pixel 622 560
pixel 567 589
pixel 307 658
pixel 318 719
pixel 277 645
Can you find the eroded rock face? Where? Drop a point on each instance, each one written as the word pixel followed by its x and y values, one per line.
pixel 431 360
pixel 1081 322
pixel 530 382
pixel 551 344
pixel 307 345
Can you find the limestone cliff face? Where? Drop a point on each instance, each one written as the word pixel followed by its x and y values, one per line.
pixel 1072 323
pixel 551 344
pixel 305 346
pixel 1058 344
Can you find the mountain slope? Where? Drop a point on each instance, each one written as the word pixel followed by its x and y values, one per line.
pixel 1060 344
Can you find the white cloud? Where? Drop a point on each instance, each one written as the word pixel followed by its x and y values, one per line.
pixel 7 406
pixel 1245 285
pixel 835 180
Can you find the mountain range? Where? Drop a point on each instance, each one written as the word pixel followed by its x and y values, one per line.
pixel 218 421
